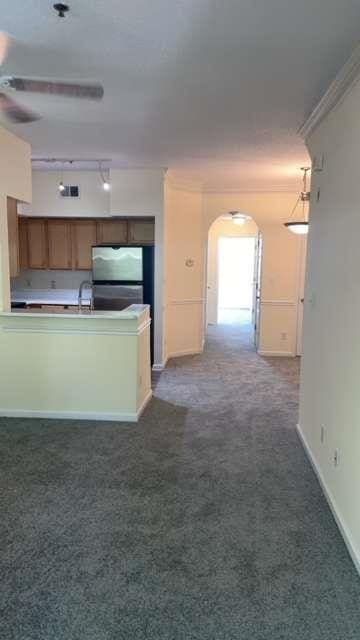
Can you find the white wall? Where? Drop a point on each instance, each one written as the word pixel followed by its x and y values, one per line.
pixel 225 228
pixel 331 347
pixel 15 181
pixel 47 201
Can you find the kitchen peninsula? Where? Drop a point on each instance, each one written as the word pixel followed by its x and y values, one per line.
pixel 93 365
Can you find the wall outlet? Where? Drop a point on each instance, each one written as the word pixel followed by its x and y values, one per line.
pixel 322 435
pixel 336 458
pixel 283 336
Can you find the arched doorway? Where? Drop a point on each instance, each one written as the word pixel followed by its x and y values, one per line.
pixel 233 272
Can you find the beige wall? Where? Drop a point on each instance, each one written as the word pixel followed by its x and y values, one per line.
pixel 331 360
pixel 221 228
pixel 281 262
pixel 185 283
pixel 15 181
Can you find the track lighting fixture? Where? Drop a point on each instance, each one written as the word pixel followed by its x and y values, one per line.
pixel 61 183
pixel 105 183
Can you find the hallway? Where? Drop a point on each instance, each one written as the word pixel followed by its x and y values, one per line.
pixel 202 522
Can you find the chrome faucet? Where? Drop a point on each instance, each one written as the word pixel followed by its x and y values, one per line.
pixel 85 283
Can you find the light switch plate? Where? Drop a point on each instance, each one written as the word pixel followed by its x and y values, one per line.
pixel 318 162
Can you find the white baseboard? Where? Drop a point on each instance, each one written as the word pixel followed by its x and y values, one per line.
pixel 351 547
pixel 144 403
pixel 77 415
pixel 159 366
pixel 278 354
pixel 186 352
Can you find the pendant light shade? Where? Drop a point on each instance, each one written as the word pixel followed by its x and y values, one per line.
pixel 300 226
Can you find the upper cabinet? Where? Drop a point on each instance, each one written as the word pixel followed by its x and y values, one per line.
pixel 66 243
pixel 84 237
pixel 13 232
pixel 112 231
pixel 141 231
pixel 37 243
pixel 59 239
pixel 23 244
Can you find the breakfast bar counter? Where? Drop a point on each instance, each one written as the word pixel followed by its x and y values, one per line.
pixel 92 365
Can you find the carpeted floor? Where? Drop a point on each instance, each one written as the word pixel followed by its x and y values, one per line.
pixel 203 521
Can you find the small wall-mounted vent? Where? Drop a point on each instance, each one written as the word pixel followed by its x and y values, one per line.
pixel 70 191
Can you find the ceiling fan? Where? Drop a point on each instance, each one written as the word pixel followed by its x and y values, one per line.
pixel 14 111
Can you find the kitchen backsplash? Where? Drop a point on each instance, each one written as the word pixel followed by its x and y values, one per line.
pixel 40 279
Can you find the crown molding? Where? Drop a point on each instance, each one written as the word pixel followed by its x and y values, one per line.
pixel 339 87
pixel 184 184
pixel 270 188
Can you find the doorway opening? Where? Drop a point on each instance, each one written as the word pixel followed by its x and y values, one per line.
pixel 236 269
pixel 233 275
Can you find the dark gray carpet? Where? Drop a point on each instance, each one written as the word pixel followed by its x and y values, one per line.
pixel 203 521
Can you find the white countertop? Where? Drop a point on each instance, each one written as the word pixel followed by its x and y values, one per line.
pixel 50 296
pixel 132 312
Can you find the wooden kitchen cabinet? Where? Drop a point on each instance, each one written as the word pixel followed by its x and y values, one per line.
pixel 23 244
pixel 112 231
pixel 141 231
pixel 59 243
pixel 37 243
pixel 83 238
pixel 13 235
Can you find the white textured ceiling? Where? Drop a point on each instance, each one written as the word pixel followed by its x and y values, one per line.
pixel 213 89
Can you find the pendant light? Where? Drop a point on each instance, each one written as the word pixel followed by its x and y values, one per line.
pixel 238 218
pixel 300 227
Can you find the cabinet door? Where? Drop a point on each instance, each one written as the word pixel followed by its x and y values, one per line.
pixel 59 239
pixel 37 244
pixel 112 231
pixel 141 231
pixel 13 235
pixel 23 244
pixel 84 237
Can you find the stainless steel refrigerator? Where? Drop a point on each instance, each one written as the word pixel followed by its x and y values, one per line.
pixel 123 275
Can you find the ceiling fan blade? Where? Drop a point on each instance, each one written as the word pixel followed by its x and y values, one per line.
pixel 4 46
pixel 15 112
pixel 67 89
